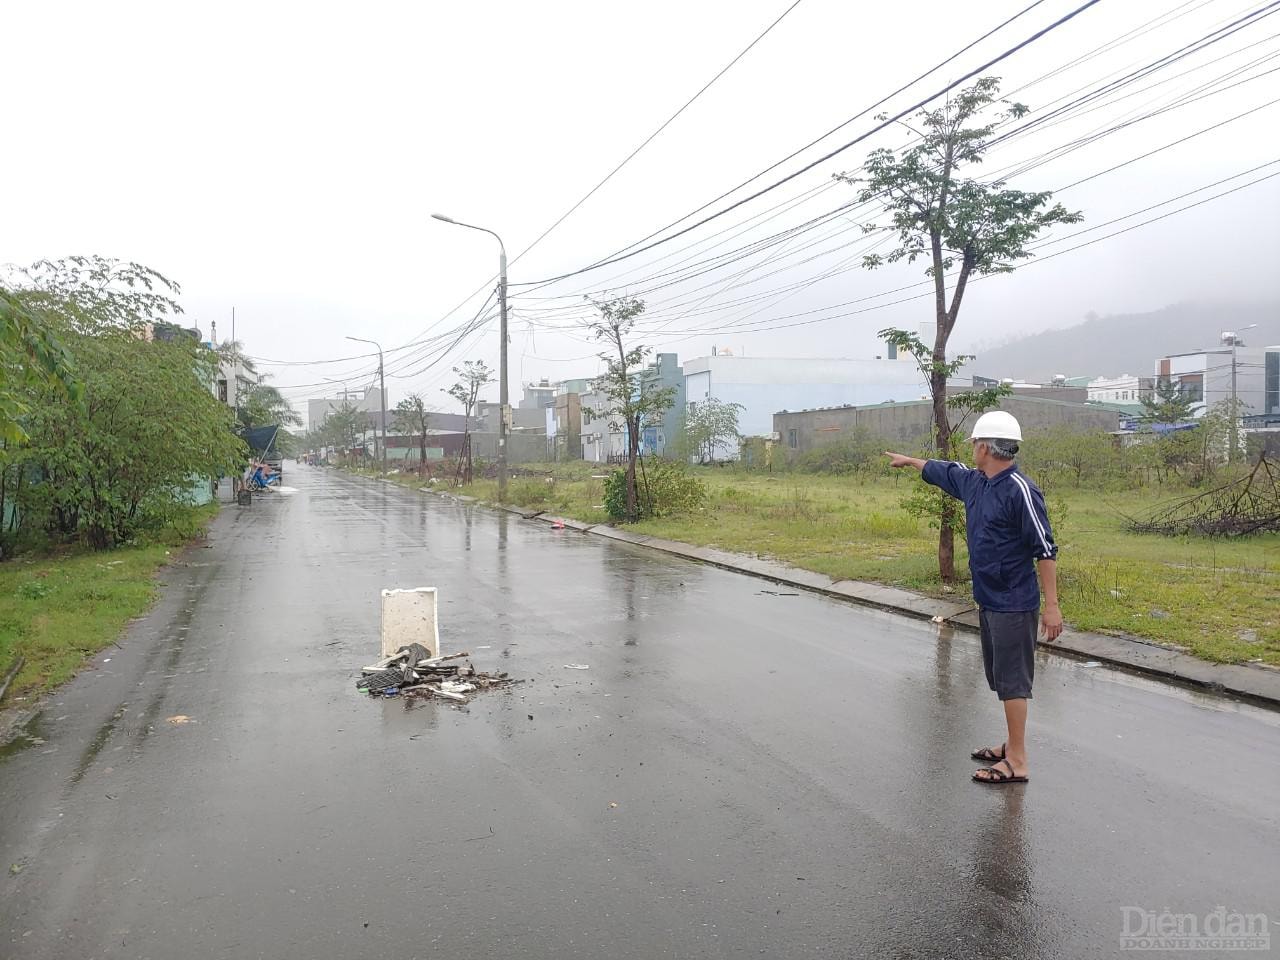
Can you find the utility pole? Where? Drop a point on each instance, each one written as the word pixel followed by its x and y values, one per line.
pixel 235 367
pixel 504 412
pixel 1234 453
pixel 382 399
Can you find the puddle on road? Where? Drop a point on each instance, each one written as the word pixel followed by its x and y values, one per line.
pixel 30 734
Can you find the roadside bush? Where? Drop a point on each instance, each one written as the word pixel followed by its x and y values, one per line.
pixel 667 489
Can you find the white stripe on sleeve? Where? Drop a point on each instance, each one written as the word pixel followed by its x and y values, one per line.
pixel 1031 509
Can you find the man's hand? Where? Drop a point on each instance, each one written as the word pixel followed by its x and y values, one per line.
pixel 1051 621
pixel 902 460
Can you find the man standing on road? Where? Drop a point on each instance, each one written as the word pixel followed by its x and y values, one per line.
pixel 1009 537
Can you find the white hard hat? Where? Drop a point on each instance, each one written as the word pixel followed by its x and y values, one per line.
pixel 996 425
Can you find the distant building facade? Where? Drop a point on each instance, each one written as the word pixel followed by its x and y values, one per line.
pixel 1126 388
pixel 367 400
pixel 909 424
pixel 764 385
pixel 1204 377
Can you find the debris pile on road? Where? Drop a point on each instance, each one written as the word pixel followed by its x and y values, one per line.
pixel 412 671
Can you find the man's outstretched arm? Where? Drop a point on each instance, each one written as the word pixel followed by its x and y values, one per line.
pixel 902 460
pixel 951 478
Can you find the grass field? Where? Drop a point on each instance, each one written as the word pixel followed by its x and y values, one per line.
pixel 1217 598
pixel 57 609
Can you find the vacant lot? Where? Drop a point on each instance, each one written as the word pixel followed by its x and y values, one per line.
pixel 1217 598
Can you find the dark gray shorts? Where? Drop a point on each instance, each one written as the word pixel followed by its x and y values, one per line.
pixel 1009 651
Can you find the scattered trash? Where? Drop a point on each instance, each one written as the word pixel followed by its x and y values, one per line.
pixel 180 718
pixel 15 869
pixel 411 671
pixel 939 619
pixel 558 525
pixel 576 666
pixel 1092 663
pixel 613 805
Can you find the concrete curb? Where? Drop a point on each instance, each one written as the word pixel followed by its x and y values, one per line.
pixel 1258 684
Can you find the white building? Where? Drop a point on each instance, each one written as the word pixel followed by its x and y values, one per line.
pixel 367 400
pixel 232 380
pixel 1205 376
pixel 1126 388
pixel 767 385
pixel 600 441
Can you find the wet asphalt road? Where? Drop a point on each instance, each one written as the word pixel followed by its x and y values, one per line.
pixel 790 774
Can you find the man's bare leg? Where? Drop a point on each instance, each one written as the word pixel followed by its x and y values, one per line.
pixel 1015 751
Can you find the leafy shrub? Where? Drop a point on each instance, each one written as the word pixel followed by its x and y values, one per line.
pixel 615 495
pixel 34 590
pixel 666 489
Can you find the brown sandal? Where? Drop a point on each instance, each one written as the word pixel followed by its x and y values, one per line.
pixel 987 755
pixel 998 776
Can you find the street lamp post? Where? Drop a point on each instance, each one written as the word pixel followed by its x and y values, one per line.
pixel 503 412
pixel 1234 336
pixel 382 399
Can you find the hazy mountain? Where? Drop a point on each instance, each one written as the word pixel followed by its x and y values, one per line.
pixel 1126 343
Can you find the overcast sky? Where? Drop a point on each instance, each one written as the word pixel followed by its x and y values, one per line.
pixel 284 159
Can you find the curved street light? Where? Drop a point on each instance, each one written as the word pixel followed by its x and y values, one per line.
pixel 502 353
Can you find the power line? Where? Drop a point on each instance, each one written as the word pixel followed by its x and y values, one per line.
pixel 649 139
pixel 770 325
pixel 1093 94
pixel 840 126
pixel 836 152
pixel 751 249
pixel 1124 39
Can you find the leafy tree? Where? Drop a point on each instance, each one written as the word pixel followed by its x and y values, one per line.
pixel 1167 405
pixel 147 422
pixel 631 399
pixel 473 375
pixel 339 428
pixel 233 352
pixel 89 294
pixel 412 417
pixel 1219 428
pixel 262 405
pixel 31 357
pixel 956 223
pixel 709 424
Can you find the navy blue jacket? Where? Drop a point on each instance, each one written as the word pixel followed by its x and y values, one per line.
pixel 1008 531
